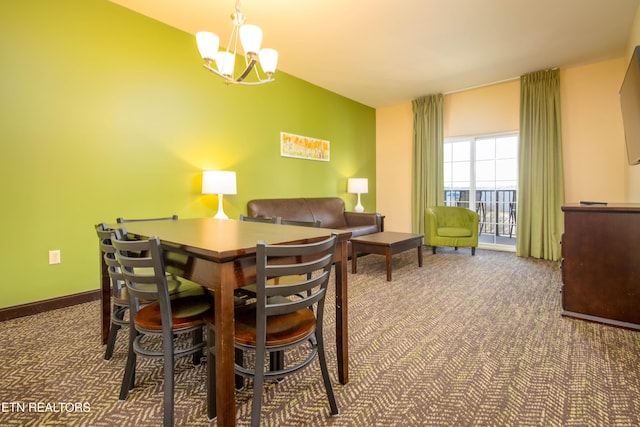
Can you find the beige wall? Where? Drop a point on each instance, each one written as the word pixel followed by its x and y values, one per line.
pixel 394 136
pixel 592 136
pixel 593 140
pixel 632 173
pixel 489 109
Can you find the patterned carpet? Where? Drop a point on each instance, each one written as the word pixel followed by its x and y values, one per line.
pixel 463 341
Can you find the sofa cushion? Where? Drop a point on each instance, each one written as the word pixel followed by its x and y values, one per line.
pixel 294 209
pixel 329 210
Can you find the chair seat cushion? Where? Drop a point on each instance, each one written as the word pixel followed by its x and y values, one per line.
pixel 186 312
pixel 186 288
pixel 281 329
pixel 454 232
pixel 180 287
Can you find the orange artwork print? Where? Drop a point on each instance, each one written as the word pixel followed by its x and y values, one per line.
pixel 303 147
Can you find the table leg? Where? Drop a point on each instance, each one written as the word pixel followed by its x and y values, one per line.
pixel 354 260
pixel 342 330
pixel 420 255
pixel 387 253
pixel 225 338
pixel 105 299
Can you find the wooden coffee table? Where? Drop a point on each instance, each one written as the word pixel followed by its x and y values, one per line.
pixel 386 243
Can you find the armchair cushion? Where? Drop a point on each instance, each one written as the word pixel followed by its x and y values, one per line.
pixel 454 232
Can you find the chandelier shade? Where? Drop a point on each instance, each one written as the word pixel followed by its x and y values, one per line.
pixel 223 63
pixel 268 60
pixel 208 45
pixel 250 38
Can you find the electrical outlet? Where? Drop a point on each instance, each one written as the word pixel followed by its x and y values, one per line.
pixel 54 256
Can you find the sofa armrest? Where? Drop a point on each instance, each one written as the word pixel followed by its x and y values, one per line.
pixel 356 219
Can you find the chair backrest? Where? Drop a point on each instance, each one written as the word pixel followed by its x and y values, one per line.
pixel 267 219
pixel 295 261
pixel 105 234
pixel 123 220
pixel 452 216
pixel 176 264
pixel 142 266
pixel 316 224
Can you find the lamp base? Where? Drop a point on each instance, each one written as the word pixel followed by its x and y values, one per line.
pixel 220 214
pixel 359 207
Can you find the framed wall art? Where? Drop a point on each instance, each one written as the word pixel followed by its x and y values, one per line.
pixel 304 147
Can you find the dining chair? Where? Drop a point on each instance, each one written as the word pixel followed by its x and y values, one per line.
pixel 283 318
pixel 266 219
pixel 119 299
pixel 316 223
pixel 121 220
pixel 120 302
pixel 249 290
pixel 167 317
pixel 174 264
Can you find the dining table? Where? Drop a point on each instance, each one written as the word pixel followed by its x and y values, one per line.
pixel 221 255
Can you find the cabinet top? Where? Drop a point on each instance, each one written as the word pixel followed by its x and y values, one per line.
pixel 610 207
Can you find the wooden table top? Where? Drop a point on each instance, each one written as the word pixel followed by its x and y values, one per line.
pixel 221 240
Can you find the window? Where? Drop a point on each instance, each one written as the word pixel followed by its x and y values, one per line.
pixel 481 173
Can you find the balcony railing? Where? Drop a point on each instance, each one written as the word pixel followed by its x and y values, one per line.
pixel 496 208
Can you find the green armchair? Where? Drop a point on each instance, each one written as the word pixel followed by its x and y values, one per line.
pixel 451 226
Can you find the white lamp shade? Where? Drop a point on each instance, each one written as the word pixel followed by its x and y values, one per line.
pixel 251 38
pixel 268 60
pixel 358 185
pixel 219 182
pixel 208 44
pixel 225 62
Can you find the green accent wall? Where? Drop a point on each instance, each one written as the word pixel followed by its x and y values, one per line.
pixel 107 113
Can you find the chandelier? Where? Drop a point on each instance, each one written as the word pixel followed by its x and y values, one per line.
pixel 223 63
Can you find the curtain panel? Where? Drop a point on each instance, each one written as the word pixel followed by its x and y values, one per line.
pixel 428 141
pixel 541 173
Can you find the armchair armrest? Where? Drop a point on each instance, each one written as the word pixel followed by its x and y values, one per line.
pixel 473 219
pixel 431 223
pixel 355 219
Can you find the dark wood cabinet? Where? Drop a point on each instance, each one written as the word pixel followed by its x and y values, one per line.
pixel 601 263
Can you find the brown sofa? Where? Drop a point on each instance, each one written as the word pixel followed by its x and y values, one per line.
pixel 329 210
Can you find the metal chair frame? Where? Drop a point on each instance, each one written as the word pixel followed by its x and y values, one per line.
pixel 312 264
pixel 265 219
pixel 121 220
pixel 142 265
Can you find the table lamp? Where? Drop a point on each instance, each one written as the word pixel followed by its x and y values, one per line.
pixel 220 183
pixel 358 186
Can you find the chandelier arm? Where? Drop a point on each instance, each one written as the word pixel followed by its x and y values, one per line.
pixel 246 72
pixel 230 81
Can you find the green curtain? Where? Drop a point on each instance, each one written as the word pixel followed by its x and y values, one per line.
pixel 428 141
pixel 541 176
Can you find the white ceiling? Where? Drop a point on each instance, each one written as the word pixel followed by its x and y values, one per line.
pixel 386 52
